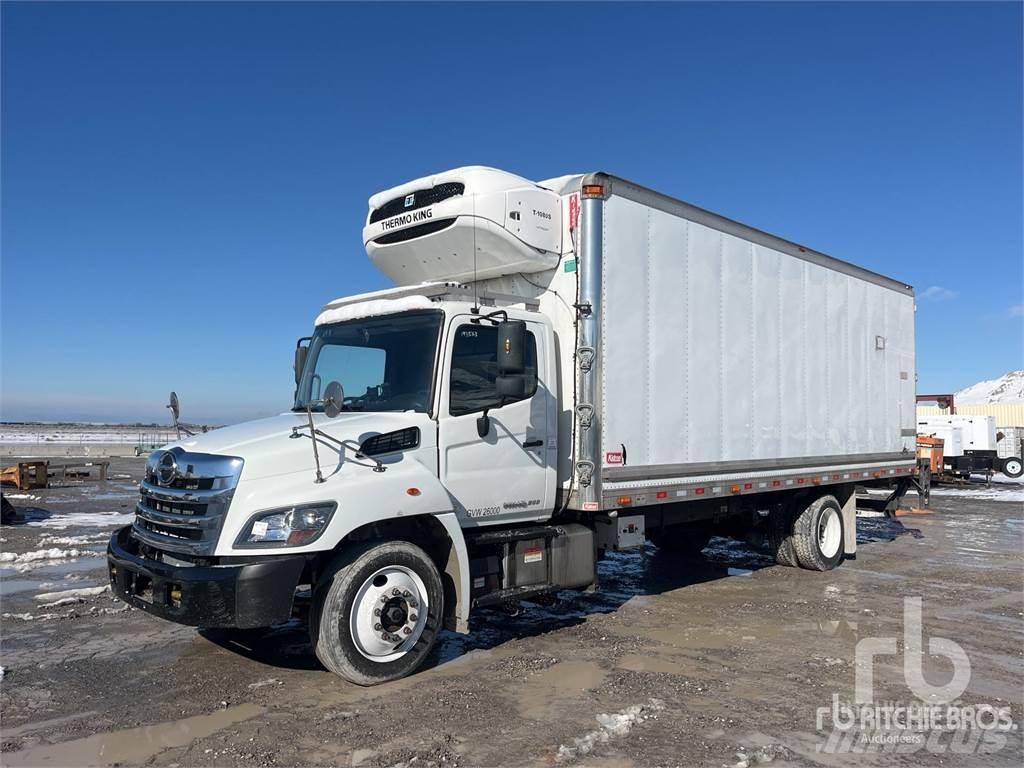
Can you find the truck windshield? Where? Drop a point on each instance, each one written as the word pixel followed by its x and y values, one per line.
pixel 383 363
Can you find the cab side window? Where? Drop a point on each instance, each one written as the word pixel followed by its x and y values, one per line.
pixel 475 369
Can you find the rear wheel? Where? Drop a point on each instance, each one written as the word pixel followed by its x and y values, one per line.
pixel 377 612
pixel 1013 467
pixel 780 536
pixel 818 535
pixel 687 539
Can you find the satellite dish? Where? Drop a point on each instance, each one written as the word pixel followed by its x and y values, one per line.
pixel 173 405
pixel 334 397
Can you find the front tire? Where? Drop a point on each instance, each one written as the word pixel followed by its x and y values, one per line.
pixel 818 535
pixel 1013 467
pixel 377 612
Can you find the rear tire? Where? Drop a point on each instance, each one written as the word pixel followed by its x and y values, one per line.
pixel 687 539
pixel 377 612
pixel 780 536
pixel 1013 467
pixel 818 535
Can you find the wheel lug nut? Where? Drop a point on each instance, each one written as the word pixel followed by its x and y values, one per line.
pixel 376 611
pixel 413 604
pixel 377 627
pixel 406 630
pixel 413 617
pixel 395 592
pixel 407 593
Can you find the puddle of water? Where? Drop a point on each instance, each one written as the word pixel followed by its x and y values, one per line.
pixel 544 693
pixel 133 746
pixel 12 581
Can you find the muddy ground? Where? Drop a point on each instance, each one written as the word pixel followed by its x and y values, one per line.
pixel 721 662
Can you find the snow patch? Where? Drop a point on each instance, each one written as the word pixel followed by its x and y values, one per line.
pixel 54 597
pixel 45 554
pixel 83 519
pixel 988 494
pixel 68 541
pixel 373 309
pixel 613 726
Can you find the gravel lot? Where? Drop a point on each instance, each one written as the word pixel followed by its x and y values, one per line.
pixel 722 662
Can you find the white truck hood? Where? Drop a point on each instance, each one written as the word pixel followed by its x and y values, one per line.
pixel 267 448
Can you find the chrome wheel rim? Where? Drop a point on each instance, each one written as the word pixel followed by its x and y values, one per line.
pixel 389 613
pixel 830 532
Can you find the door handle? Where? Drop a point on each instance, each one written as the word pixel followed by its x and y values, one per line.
pixel 533 444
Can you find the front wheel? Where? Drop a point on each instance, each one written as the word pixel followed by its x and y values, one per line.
pixel 1013 467
pixel 377 612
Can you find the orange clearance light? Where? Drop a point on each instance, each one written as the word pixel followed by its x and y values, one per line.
pixel 816 480
pixel 734 488
pixel 876 474
pixel 413 491
pixel 624 500
pixel 595 190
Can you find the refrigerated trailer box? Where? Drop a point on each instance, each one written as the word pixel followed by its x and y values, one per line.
pixel 565 367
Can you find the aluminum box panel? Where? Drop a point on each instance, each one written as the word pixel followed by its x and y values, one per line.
pixel 717 348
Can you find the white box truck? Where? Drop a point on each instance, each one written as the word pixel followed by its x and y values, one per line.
pixel 564 368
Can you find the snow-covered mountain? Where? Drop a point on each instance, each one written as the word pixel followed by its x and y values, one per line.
pixel 1008 388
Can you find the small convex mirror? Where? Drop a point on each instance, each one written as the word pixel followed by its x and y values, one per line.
pixel 334 397
pixel 173 405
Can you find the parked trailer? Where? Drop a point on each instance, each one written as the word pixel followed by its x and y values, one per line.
pixel 565 368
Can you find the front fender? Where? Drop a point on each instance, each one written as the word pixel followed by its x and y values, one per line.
pixel 406 488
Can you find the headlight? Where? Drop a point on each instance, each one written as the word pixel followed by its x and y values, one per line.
pixel 287 526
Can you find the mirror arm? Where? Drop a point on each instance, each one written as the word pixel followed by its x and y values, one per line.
pixel 490 316
pixel 350 444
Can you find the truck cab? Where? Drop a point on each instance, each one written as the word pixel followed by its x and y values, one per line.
pixel 424 417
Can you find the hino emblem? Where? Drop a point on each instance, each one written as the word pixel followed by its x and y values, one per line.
pixel 410 200
pixel 166 468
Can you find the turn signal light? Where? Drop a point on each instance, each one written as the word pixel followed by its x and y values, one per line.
pixel 593 190
pixel 624 500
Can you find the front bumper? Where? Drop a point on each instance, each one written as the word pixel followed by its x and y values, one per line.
pixel 242 596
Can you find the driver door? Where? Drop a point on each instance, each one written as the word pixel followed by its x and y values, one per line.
pixel 508 475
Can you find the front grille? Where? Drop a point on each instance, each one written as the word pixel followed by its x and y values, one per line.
pixel 421 198
pixel 411 233
pixel 186 514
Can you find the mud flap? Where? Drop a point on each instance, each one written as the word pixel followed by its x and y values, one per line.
pixel 850 524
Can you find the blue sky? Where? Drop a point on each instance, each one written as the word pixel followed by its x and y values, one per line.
pixel 184 185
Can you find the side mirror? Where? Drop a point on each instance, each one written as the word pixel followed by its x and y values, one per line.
pixel 510 387
pixel 511 348
pixel 300 357
pixel 334 399
pixel 173 405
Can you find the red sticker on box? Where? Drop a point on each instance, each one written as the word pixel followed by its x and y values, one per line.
pixel 613 457
pixel 574 210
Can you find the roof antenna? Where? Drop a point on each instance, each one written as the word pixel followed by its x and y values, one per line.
pixel 476 298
